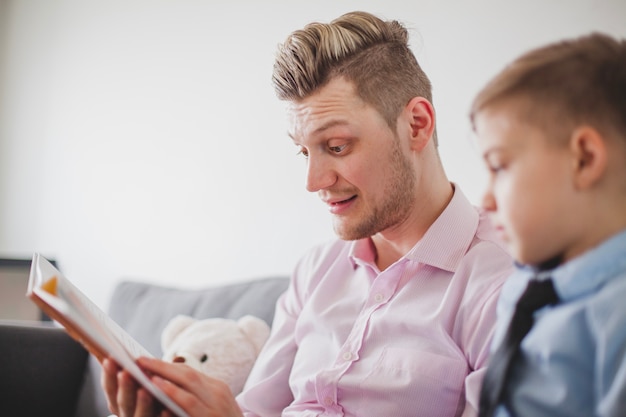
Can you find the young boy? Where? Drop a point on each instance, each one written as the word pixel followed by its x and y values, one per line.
pixel 551 128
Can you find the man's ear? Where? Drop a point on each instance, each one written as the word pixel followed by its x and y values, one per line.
pixel 422 121
pixel 590 153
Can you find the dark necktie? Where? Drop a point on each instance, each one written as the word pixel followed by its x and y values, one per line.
pixel 538 294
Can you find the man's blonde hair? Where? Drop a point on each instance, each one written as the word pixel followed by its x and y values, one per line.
pixel 372 53
pixel 565 84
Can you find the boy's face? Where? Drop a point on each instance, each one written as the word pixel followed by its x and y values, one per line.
pixel 529 192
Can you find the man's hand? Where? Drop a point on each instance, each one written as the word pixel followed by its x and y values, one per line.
pixel 196 393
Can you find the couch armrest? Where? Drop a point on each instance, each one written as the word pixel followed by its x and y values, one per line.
pixel 42 370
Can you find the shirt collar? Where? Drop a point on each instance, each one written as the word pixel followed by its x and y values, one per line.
pixel 588 272
pixel 437 247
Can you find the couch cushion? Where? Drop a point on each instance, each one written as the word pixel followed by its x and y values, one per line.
pixel 144 310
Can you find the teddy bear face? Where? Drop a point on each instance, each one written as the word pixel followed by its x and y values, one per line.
pixel 220 348
pixel 218 351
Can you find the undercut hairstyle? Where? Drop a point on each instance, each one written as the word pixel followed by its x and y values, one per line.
pixel 371 53
pixel 565 84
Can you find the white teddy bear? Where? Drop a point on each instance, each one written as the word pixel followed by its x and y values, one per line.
pixel 221 348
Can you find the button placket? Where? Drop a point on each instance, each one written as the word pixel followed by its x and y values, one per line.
pixel 326 384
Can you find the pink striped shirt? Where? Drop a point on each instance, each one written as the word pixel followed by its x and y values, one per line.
pixel 413 340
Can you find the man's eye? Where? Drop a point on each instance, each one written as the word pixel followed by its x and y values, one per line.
pixel 337 149
pixel 303 152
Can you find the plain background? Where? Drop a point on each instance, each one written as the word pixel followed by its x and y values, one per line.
pixel 142 138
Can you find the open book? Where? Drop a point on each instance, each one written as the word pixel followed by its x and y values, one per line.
pixel 89 325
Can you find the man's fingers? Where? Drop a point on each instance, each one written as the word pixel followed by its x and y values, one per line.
pixel 190 389
pixel 213 398
pixel 109 383
pixel 146 406
pixel 126 394
pixel 180 375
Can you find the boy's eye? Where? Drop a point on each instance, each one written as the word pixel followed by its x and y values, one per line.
pixel 494 169
pixel 494 165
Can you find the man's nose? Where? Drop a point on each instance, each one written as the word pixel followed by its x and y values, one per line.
pixel 320 174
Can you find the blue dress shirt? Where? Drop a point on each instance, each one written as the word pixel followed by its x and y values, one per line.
pixel 573 361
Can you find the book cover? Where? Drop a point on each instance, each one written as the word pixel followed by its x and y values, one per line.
pixel 88 324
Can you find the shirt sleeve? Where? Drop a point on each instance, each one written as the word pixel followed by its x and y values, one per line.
pixel 477 317
pixel 267 392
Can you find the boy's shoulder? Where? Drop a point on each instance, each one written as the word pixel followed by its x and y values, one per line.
pixel 606 308
pixel 594 287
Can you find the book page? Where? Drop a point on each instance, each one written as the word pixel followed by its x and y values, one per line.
pixel 97 319
pixel 89 325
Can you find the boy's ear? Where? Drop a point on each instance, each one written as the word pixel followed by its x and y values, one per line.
pixel 422 121
pixel 589 149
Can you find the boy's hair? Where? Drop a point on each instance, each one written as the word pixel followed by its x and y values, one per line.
pixel 565 84
pixel 372 53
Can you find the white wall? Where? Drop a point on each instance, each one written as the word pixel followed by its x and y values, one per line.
pixel 142 138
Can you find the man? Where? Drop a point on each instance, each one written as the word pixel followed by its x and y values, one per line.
pixel 395 318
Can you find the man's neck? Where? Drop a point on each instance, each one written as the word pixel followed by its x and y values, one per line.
pixel 395 242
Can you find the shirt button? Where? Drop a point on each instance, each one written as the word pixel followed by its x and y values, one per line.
pixel 347 356
pixel 328 401
pixel 378 297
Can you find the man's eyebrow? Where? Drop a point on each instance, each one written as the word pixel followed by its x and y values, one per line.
pixel 331 123
pixel 325 126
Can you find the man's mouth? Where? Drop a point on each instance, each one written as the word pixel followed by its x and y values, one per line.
pixel 339 206
pixel 339 202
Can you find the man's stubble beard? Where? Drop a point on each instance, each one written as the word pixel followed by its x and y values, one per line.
pixel 393 209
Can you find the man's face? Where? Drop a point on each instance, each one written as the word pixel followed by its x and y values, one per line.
pixel 355 162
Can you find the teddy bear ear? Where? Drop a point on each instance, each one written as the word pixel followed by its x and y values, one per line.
pixel 255 329
pixel 173 328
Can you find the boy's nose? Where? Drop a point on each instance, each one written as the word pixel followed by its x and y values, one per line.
pixel 488 200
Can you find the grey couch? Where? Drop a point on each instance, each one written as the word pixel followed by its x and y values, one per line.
pixel 43 372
